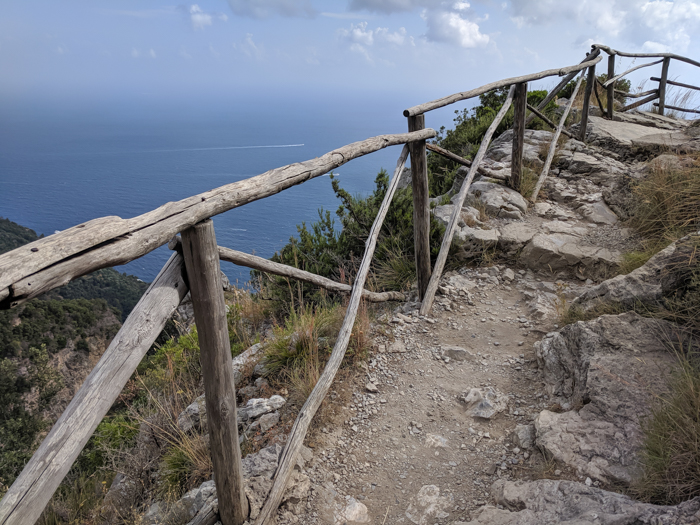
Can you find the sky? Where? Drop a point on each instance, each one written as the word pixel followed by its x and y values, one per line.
pixel 408 51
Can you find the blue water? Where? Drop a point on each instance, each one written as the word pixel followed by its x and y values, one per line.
pixel 63 165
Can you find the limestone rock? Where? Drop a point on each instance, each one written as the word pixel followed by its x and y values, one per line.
pixel 648 283
pixel 559 251
pixel 267 421
pixel 498 200
pixel 244 363
pixel 458 353
pixel 604 372
pixel 428 506
pixel 194 416
pixel 484 403
pixel 549 501
pixel 524 436
pixel 475 241
pixel 514 235
pixel 258 406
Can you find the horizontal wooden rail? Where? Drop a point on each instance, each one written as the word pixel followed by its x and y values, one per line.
pixel 639 102
pixel 446 101
pixel 547 121
pixel 306 414
pixel 636 95
pixel 635 68
pixel 40 478
pixel 459 202
pixel 674 83
pixel 53 261
pixel 611 51
pixel 684 110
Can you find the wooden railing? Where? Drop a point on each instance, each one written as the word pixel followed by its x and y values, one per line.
pixel 53 261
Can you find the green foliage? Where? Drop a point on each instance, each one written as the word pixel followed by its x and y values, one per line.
pixel 176 361
pixel 12 235
pixel 50 323
pixel 470 128
pixel 324 251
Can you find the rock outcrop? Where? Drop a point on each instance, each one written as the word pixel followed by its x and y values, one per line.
pixel 603 373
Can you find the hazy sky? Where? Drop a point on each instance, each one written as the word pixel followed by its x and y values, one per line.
pixel 422 49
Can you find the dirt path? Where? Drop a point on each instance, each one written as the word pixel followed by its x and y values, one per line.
pixel 407 446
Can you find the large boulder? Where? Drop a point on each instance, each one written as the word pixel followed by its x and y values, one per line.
pixel 559 251
pixel 604 373
pixel 548 502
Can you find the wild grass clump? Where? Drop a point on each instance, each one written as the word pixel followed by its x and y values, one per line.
pixel 671 451
pixel 247 314
pixel 667 201
pixel 77 502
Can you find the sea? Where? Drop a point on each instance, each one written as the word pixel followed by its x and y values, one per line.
pixel 64 163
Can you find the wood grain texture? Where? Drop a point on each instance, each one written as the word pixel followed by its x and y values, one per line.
pixel 301 425
pixel 126 240
pixel 680 109
pixel 611 51
pixel 583 126
pixel 34 487
pixel 641 102
pixel 611 87
pixel 519 113
pixel 451 99
pixel 458 203
pixel 555 139
pixel 638 95
pixel 204 275
pixel 597 97
pixel 674 83
pixel 618 77
pixel 264 265
pixel 448 155
pixel 662 85
pixel 421 205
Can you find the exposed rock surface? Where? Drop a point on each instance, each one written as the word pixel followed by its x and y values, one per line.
pixel 604 373
pixel 553 502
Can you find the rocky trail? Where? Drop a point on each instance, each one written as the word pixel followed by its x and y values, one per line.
pixel 486 411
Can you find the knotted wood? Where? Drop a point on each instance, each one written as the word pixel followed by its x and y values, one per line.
pixel 516 157
pixel 590 82
pixel 421 205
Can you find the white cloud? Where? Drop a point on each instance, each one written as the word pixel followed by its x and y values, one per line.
pixel 641 23
pixel 359 34
pixel 268 8
pixel 249 48
pixel 223 17
pixel 453 27
pixel 199 18
pixel 152 53
pixel 184 54
pixel 392 6
pixel 135 53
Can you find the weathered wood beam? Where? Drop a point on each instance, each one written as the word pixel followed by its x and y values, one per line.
pixel 445 101
pixel 301 425
pixel 636 95
pixel 611 87
pixel 57 259
pixel 204 276
pixel 464 162
pixel 662 85
pixel 44 472
pixel 458 203
pixel 674 83
pixel 518 148
pixel 421 205
pixel 583 126
pixel 264 265
pixel 555 139
pixel 639 103
pixel 597 97
pixel 618 77
pixel 547 121
pixel 550 96
pixel 680 109
pixel 611 51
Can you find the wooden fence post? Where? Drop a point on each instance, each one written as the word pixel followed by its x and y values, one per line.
pixel 204 275
pixel 662 85
pixel 611 87
pixel 519 107
pixel 590 81
pixel 421 205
